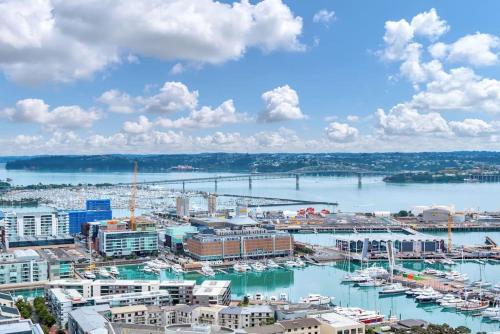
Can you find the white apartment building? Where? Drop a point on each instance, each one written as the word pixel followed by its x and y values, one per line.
pixel 20 224
pixel 24 266
pixel 210 292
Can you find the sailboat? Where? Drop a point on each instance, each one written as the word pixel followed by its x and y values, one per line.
pixel 393 288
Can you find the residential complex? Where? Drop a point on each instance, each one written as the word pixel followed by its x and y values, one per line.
pixel 22 267
pixel 33 224
pixel 128 242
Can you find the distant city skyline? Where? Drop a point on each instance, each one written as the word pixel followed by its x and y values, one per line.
pixel 189 76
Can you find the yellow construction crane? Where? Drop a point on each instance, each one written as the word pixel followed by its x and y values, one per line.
pixel 450 222
pixel 133 194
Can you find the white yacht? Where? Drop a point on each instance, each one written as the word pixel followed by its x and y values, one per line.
pixel 290 264
pixel 370 283
pixel 147 269
pixel 430 296
pixel 457 276
pixel 89 275
pixel 393 289
pixel 177 268
pixel 300 263
pixel 259 267
pixel 241 267
pixel 450 301
pixel 491 312
pixel 104 273
pixel 271 264
pixel 356 278
pixel 375 272
pixel 315 299
pixel 359 314
pixel 429 261
pixel 207 270
pixel 114 271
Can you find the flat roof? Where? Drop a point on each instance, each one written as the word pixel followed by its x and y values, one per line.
pixel 89 319
pixel 338 320
pixel 388 236
pixel 299 323
pixel 128 309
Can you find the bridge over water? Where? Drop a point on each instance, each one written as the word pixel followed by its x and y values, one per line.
pixel 250 177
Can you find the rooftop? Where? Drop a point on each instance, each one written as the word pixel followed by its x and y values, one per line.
pixel 89 320
pixel 299 323
pixel 337 320
pixel 129 309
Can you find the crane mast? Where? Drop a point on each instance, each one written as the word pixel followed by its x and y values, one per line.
pixel 133 195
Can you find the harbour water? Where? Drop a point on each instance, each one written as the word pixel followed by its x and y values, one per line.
pixel 374 195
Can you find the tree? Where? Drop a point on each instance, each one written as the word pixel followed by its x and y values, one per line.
pixel 245 300
pixel 402 213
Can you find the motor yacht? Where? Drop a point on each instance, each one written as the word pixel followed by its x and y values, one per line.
pixel 241 267
pixel 359 314
pixel 271 264
pixel 207 270
pixel 315 299
pixel 177 268
pixel 259 267
pixel 370 283
pixel 393 289
pixel 450 301
pixel 457 276
pixel 299 263
pixel 491 312
pixel 429 261
pixel 89 275
pixel 290 264
pixel 429 297
pixel 104 273
pixel 114 271
pixel 356 278
pixel 147 269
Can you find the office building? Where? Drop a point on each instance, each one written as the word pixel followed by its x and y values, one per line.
pixel 24 266
pixel 127 242
pixel 34 224
pixel 96 210
pixel 239 243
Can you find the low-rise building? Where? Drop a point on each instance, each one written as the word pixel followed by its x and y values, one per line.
pixel 87 320
pixel 334 323
pixel 237 317
pixel 301 326
pixel 212 292
pixel 20 326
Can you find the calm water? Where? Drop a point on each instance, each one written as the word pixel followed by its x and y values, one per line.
pixel 327 281
pixel 374 195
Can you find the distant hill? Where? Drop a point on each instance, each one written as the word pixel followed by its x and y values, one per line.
pixel 13 158
pixel 240 162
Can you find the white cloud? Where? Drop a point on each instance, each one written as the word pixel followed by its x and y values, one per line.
pixel 172 97
pixel 178 68
pixel 478 50
pixel 397 36
pixel 206 117
pixel 25 140
pixel 352 118
pixel 324 16
pixel 281 104
pixel 472 127
pixel 429 24
pixel 402 120
pixel 51 40
pixel 117 101
pixel 341 132
pixel 141 126
pixel 37 111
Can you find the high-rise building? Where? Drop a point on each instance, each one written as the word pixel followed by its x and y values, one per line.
pixel 96 210
pixel 182 206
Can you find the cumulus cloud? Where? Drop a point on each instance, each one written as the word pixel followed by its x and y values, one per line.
pixel 25 140
pixel 472 127
pixel 341 132
pixel 172 97
pixel 352 118
pixel 141 126
pixel 206 117
pixel 402 120
pixel 37 111
pixel 50 40
pixel 477 49
pixel 281 104
pixel 324 16
pixel 429 24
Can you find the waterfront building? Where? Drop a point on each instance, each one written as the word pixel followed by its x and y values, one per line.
pixel 33 224
pixel 237 317
pixel 96 210
pixel 175 236
pixel 128 242
pixel 181 292
pixel 60 263
pixel 334 323
pixel 239 243
pixel 182 206
pixel 62 301
pixel 20 326
pixel 212 292
pixel 40 242
pixel 25 266
pixel 377 243
pixel 437 213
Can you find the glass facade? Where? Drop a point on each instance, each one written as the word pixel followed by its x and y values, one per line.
pixel 118 243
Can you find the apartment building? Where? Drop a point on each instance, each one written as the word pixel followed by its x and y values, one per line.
pixel 127 242
pixel 21 224
pixel 212 293
pixel 23 266
pixel 237 317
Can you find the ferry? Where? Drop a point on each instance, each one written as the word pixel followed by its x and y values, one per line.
pixel 393 289
pixel 315 299
pixel 89 275
pixel 207 270
pixel 359 314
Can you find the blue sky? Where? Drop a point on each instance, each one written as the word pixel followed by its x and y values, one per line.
pixel 262 76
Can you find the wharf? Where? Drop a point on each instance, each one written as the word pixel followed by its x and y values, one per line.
pixel 347 228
